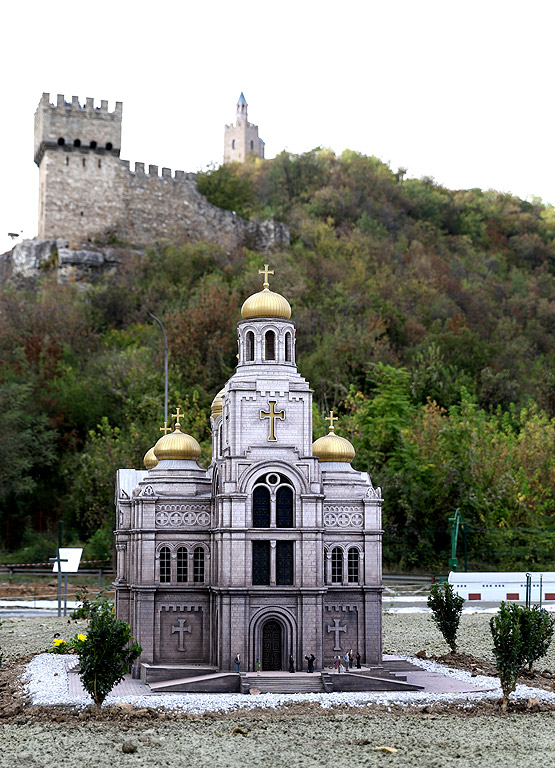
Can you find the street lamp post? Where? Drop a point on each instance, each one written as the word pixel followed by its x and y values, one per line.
pixel 165 365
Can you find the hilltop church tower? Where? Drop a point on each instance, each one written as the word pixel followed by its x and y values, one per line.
pixel 272 552
pixel 241 139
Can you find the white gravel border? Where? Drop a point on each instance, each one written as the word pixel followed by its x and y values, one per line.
pixel 46 684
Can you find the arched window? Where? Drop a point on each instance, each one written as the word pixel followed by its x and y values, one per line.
pixel 261 507
pixel 182 564
pixel 109 145
pixel 198 565
pixel 233 144
pixel 336 565
pixel 61 142
pixel 250 346
pixel 77 143
pixel 165 565
pixel 287 347
pixel 270 345
pixel 93 144
pixel 284 508
pixel 353 565
pixel 252 144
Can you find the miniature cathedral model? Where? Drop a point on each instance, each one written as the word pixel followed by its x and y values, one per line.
pixel 275 549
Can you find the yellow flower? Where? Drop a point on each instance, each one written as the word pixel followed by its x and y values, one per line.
pixel 58 641
pixel 82 638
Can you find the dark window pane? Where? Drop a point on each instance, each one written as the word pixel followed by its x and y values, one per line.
pixel 261 562
pixel 284 562
pixel 182 564
pixel 165 565
pixel 261 507
pixel 284 508
pixel 270 345
pixel 250 346
pixel 352 565
pixel 336 565
pixel 288 347
pixel 198 565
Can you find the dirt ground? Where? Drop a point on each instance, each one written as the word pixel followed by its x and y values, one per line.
pixel 295 735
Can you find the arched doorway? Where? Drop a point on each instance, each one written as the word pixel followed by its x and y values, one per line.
pixel 271 646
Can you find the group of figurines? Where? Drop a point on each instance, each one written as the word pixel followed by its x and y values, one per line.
pixel 343 663
pixel 340 663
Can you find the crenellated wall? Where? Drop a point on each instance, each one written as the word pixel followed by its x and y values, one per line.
pixel 88 194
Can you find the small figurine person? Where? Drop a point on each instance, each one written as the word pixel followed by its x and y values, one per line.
pixel 358 660
pixel 310 659
pixel 237 662
pixel 258 665
pixel 351 659
pixel 336 663
pixel 291 663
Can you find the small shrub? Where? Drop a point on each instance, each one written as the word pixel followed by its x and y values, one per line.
pixel 446 608
pixel 91 604
pixel 537 626
pixel 72 646
pixel 509 647
pixel 107 653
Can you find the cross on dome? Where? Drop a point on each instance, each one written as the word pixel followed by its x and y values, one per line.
pixel 331 418
pixel 177 416
pixel 266 272
pixel 165 429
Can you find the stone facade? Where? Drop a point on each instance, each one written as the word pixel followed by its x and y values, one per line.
pixel 269 552
pixel 241 139
pixel 87 193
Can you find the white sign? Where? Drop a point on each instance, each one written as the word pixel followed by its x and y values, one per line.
pixel 72 557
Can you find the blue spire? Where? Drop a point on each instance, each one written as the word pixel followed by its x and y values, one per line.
pixel 242 99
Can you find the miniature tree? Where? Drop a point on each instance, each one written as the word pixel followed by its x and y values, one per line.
pixel 508 647
pixel 446 608
pixel 537 627
pixel 107 653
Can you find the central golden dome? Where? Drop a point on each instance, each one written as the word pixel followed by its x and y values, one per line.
pixel 177 446
pixel 266 303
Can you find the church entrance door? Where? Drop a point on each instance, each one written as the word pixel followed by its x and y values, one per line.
pixel 271 646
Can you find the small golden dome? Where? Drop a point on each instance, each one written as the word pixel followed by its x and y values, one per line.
pixel 150 460
pixel 177 446
pixel 217 404
pixel 266 303
pixel 332 447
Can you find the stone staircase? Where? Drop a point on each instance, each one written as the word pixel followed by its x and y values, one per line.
pixel 283 683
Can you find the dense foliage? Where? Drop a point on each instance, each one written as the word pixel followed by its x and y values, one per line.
pixel 425 317
pixel 446 607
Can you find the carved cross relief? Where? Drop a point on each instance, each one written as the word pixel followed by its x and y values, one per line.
pixel 272 414
pixel 336 629
pixel 181 629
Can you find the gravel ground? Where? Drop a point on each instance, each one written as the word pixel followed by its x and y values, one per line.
pixel 297 735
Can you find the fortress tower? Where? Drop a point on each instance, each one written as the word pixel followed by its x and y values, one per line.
pixel 77 151
pixel 241 139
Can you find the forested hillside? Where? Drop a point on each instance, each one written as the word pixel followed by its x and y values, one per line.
pixel 424 316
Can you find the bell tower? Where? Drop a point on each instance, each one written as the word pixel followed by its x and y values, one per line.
pixel 241 139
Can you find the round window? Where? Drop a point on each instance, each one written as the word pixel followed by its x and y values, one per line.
pixel 272 479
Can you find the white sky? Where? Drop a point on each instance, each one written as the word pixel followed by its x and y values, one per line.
pixel 461 91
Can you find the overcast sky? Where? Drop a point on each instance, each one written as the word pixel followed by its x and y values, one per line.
pixel 461 91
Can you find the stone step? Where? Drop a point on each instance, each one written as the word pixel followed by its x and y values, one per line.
pixel 283 684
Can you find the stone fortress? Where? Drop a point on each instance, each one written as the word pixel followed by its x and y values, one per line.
pixel 96 211
pixel 87 193
pixel 272 552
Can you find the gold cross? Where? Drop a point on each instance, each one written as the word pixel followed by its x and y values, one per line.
pixel 272 414
pixel 331 418
pixel 177 416
pixel 165 429
pixel 266 272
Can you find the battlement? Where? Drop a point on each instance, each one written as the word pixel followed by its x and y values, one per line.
pixel 139 170
pixel 69 123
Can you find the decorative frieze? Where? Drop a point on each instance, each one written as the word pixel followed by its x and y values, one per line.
pixel 342 516
pixel 182 516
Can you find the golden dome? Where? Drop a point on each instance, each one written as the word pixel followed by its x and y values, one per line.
pixel 266 303
pixel 177 446
pixel 150 460
pixel 332 447
pixel 217 404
